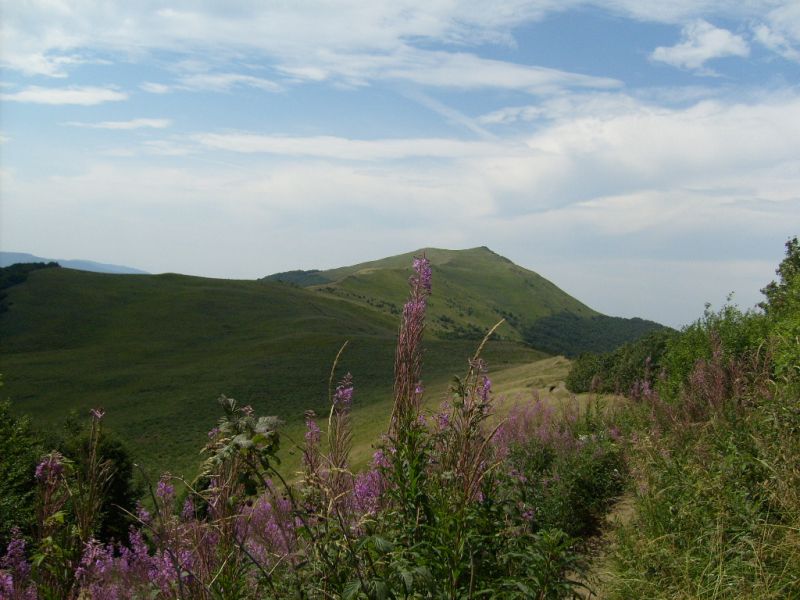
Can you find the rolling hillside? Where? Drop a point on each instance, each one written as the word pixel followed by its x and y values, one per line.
pixel 157 350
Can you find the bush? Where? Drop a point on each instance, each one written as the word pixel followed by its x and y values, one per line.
pixel 20 450
pixel 618 372
pixel 563 473
pixel 716 464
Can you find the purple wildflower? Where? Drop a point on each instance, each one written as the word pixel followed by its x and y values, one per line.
pixel 97 413
pixel 143 514
pixel 485 389
pixel 213 433
pixel 50 467
pixel 313 433
pixel 367 491
pixel 423 268
pixel 187 512
pixel 165 488
pixel 408 356
pixel 14 559
pixel 529 515
pixel 343 398
pixel 379 460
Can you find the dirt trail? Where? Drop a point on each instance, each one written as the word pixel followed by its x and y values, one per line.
pixel 600 548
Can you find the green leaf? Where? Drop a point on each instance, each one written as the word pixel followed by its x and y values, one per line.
pixel 408 580
pixel 382 544
pixel 350 591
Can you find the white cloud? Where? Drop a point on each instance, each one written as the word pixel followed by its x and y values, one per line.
pixel 438 69
pixel 345 41
pixel 511 114
pixel 155 88
pixel 125 125
pixel 332 147
pixel 701 42
pixel 776 42
pixel 781 31
pixel 212 82
pixel 81 95
pixel 223 82
pixel 640 146
pixel 468 71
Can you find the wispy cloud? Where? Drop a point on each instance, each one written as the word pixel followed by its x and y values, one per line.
pixel 80 95
pixel 339 148
pixel 701 42
pixel 511 114
pixel 213 82
pixel 775 41
pixel 155 88
pixel 780 31
pixel 451 114
pixel 440 69
pixel 124 125
pixel 343 42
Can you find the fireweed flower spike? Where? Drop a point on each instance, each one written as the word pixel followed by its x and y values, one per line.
pixel 408 357
pixel 340 434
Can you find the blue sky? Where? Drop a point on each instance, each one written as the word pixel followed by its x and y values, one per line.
pixel 643 155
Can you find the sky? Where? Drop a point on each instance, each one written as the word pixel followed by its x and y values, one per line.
pixel 643 155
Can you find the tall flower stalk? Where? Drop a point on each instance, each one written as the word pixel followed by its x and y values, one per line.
pixel 408 357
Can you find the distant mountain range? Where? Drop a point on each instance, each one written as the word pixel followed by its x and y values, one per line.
pixel 10 258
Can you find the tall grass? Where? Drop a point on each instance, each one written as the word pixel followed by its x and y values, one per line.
pixel 716 459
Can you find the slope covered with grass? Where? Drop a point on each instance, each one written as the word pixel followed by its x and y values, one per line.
pixel 157 351
pixel 475 288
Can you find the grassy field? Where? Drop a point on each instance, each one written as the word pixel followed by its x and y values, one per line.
pixel 156 352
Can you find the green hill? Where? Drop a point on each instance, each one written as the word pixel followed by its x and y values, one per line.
pixel 473 290
pixel 157 350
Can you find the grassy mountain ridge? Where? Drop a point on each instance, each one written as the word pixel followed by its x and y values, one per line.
pixel 474 289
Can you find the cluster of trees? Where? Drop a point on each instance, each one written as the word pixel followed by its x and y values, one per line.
pixel 571 335
pixel 16 274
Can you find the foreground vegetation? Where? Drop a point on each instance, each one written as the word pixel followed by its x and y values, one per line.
pixel 472 500
pixel 714 452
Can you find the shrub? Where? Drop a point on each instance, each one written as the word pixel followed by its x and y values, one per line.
pixel 716 465
pixel 20 449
